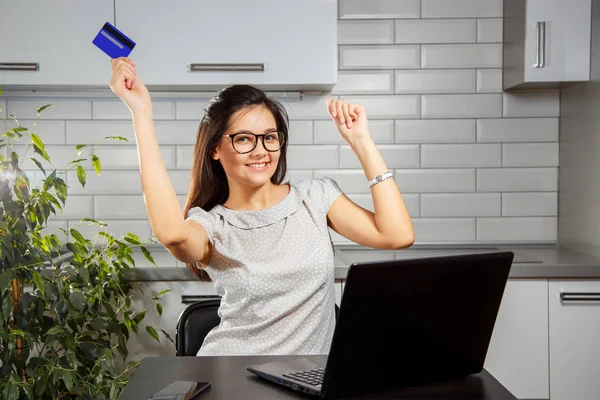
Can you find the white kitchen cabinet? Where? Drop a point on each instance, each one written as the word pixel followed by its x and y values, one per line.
pixel 145 345
pixel 574 311
pixel 287 44
pixel 55 39
pixel 518 353
pixel 546 43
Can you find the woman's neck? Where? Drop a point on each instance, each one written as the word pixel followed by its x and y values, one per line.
pixel 246 198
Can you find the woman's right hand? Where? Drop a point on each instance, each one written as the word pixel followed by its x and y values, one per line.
pixel 128 86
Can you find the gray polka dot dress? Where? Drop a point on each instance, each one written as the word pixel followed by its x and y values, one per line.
pixel 274 271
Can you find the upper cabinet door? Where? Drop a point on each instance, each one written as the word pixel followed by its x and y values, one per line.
pixel 282 44
pixel 54 40
pixel 546 43
pixel 558 40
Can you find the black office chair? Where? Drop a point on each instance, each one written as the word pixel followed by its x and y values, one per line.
pixel 196 321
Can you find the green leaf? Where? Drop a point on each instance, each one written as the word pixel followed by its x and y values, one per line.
pixel 77 300
pixel 98 324
pixel 96 163
pixel 37 142
pixel 134 237
pixel 159 308
pixel 42 108
pixel 152 332
pixel 77 236
pixel 39 165
pixel 139 317
pixel 81 175
pixel 76 161
pixel 55 330
pixel 39 281
pixel 147 255
pixel 61 189
pixel 5 278
pixel 68 380
pixel 117 138
pixel 80 146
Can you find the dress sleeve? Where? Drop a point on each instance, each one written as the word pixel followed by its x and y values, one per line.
pixel 328 190
pixel 205 219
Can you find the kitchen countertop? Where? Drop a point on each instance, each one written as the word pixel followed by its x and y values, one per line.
pixel 531 261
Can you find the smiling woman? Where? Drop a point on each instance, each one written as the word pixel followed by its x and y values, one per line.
pixel 263 242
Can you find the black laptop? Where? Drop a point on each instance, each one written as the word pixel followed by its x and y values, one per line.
pixel 404 323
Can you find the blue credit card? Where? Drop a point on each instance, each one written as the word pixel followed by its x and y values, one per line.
pixel 113 42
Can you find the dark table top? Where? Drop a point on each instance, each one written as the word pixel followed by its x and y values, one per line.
pixel 230 380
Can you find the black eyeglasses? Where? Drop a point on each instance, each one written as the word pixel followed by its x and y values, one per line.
pixel 246 142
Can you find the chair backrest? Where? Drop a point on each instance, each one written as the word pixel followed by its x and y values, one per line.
pixel 194 324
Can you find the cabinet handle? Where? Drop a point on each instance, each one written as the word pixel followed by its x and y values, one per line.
pixel 543 44
pixel 538 43
pixel 227 67
pixel 579 296
pixel 19 66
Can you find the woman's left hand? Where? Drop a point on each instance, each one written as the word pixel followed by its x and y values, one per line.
pixel 350 119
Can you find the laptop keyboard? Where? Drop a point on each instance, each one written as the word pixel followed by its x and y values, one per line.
pixel 310 376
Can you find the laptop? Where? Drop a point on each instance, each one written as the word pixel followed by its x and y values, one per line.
pixel 403 323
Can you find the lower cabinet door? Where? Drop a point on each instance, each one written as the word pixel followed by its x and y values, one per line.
pixel 574 339
pixel 518 353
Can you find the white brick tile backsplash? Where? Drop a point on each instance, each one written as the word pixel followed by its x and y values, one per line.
pixel 461 8
pixel 405 106
pixel 436 81
pixel 120 207
pixel 111 109
pixel 517 130
pixel 531 105
pixel 461 105
pixel 366 32
pixel 489 30
pixel 461 56
pixel 473 164
pixel 444 229
pixel 53 226
pixel 367 82
pixel 382 131
pixel 355 9
pixel 435 180
pixel 192 109
pixel 184 156
pixel 529 204
pixel 420 31
pixel 300 132
pixel 460 155
pixel 176 132
pixel 517 229
pixel 489 81
pixel 298 174
pixel 460 205
pixel 379 56
pixel 312 157
pixel 94 132
pixel 77 207
pixel 51 132
pixel 517 179
pixel 311 107
pixel 435 131
pixel 530 155
pixel 366 201
pixel 3 107
pixel 61 109
pixel 394 155
pixel 350 181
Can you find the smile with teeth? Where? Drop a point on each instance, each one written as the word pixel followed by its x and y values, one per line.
pixel 258 166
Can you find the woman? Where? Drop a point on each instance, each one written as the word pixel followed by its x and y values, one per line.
pixel 264 244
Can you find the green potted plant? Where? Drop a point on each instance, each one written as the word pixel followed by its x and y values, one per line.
pixel 65 302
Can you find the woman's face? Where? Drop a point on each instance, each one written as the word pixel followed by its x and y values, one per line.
pixel 258 166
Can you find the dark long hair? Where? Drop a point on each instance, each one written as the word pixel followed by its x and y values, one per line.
pixel 208 182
